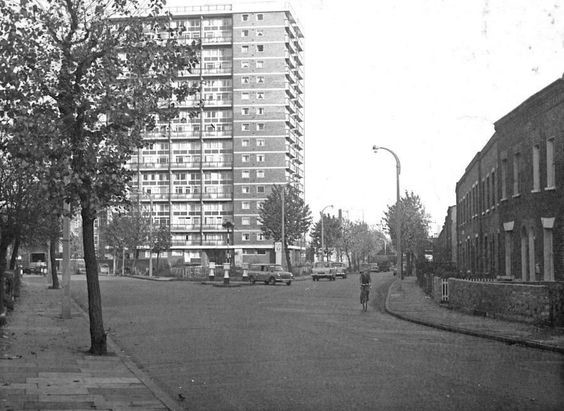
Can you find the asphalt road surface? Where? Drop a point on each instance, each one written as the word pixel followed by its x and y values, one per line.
pixel 308 346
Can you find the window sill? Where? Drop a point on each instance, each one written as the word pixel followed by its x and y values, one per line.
pixel 536 191
pixel 501 200
pixel 516 195
pixel 552 188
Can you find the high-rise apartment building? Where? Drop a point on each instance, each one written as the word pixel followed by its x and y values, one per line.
pixel 207 175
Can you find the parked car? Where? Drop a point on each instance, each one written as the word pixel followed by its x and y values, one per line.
pixel 371 268
pixel 323 269
pixel 339 270
pixel 269 274
pixel 384 266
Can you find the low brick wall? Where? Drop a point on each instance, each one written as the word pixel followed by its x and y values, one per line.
pixel 536 303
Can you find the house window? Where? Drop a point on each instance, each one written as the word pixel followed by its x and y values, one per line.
pixel 260 142
pixel 260 79
pixel 260 158
pixel 550 170
pixel 246 205
pixel 245 220
pixel 493 196
pixel 245 236
pixel 260 236
pixel 244 64
pixel 260 33
pixel 260 95
pixel 260 189
pixel 504 179
pixel 245 189
pixel 260 126
pixel 244 143
pixel 536 168
pixel 260 16
pixel 245 127
pixel 244 49
pixel 244 33
pixel 245 174
pixel 245 17
pixel 516 173
pixel 260 48
pixel 245 80
pixel 244 96
pixel 260 111
pixel 259 64
pixel 245 111
pixel 260 173
pixel 245 158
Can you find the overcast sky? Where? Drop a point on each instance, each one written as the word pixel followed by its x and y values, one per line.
pixel 425 78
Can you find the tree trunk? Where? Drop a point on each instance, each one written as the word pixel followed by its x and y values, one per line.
pixel 98 344
pixel 52 251
pixel 288 262
pixel 158 255
pixel 15 251
pixel 3 252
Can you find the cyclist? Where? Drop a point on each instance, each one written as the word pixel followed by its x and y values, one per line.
pixel 364 288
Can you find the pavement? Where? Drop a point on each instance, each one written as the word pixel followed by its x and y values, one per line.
pixel 44 362
pixel 406 300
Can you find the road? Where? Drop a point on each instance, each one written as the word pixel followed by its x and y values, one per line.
pixel 308 346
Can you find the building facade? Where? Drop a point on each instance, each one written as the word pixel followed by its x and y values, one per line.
pixel 510 200
pixel 205 176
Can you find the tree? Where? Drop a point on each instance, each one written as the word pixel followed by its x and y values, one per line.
pixel 91 77
pixel 297 217
pixel 162 241
pixel 414 226
pixel 332 235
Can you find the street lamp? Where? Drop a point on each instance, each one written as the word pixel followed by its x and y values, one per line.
pixel 230 227
pixel 398 217
pixel 322 232
pixel 150 231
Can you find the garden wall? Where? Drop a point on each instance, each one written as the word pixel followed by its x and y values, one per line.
pixel 536 303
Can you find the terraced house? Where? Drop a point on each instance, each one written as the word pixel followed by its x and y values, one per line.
pixel 206 176
pixel 510 200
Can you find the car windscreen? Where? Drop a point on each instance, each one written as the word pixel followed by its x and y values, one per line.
pixel 277 268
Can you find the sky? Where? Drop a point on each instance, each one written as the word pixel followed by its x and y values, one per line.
pixel 424 78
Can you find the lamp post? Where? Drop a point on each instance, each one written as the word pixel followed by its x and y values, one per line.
pixel 323 232
pixel 398 217
pixel 150 231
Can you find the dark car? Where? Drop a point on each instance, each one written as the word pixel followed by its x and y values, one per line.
pixel 269 274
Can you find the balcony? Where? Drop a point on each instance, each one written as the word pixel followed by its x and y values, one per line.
pixel 185 227
pixel 185 196
pixel 290 136
pixel 149 166
pixel 290 60
pixel 290 106
pixel 218 134
pixel 223 195
pixel 290 44
pixel 290 90
pixel 290 151
pixel 215 38
pixel 290 121
pixel 218 164
pixel 299 158
pixel 186 165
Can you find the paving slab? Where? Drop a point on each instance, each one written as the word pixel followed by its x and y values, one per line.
pixel 44 363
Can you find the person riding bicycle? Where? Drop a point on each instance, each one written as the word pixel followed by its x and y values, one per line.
pixel 364 284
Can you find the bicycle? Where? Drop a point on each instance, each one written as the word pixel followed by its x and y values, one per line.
pixel 364 296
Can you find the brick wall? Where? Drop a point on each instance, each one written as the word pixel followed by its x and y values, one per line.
pixel 540 303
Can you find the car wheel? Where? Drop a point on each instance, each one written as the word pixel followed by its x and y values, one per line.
pixel 266 282
pixel 288 282
pixel 272 281
pixel 252 280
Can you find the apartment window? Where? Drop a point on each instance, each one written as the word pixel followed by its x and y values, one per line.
pixel 259 64
pixel 260 16
pixel 245 158
pixel 244 33
pixel 260 95
pixel 246 205
pixel 245 236
pixel 260 142
pixel 550 170
pixel 244 49
pixel 260 33
pixel 245 142
pixel 260 237
pixel 260 189
pixel 245 189
pixel 245 111
pixel 260 173
pixel 260 111
pixel 536 168
pixel 245 80
pixel 245 96
pixel 245 220
pixel 245 174
pixel 244 64
pixel 504 179
pixel 516 173
pixel 245 127
pixel 260 126
pixel 260 48
pixel 487 196
pixel 494 189
pixel 260 158
pixel 245 17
